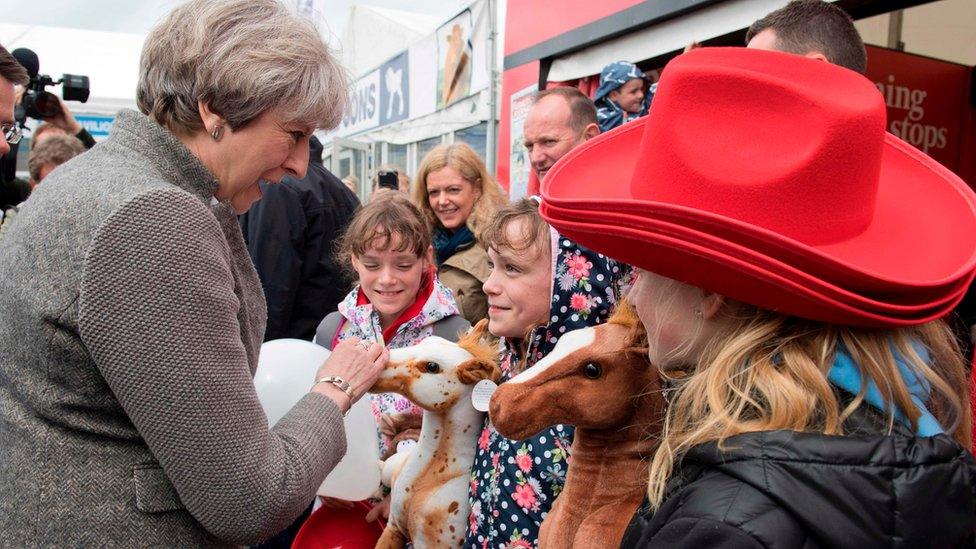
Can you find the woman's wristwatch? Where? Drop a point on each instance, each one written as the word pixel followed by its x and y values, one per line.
pixel 342 385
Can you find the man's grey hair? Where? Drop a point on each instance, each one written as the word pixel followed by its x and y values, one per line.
pixel 242 58
pixel 53 151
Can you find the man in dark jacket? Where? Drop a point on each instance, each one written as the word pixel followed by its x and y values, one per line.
pixel 291 234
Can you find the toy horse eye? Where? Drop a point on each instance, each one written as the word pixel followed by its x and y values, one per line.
pixel 433 367
pixel 592 370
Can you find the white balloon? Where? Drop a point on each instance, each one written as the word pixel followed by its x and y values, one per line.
pixel 286 372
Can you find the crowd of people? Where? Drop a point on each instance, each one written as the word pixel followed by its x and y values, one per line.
pixel 138 283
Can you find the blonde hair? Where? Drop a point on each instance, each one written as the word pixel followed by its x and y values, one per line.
pixel 242 58
pixel 763 371
pixel 471 168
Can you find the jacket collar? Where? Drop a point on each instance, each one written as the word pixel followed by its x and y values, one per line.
pixel 472 260
pixel 175 162
pixel 366 323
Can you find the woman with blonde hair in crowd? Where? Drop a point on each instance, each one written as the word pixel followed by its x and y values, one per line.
pixel 131 316
pixel 796 265
pixel 455 192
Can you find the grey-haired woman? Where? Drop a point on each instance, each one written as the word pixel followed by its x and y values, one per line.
pixel 131 316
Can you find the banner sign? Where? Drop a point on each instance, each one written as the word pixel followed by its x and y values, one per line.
pixel 454 53
pixel 395 90
pixel 98 126
pixel 364 109
pixel 926 100
pixel 518 181
pixel 435 72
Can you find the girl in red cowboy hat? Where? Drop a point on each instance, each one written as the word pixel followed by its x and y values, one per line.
pixel 796 261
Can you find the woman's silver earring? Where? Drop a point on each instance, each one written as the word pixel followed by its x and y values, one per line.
pixel 698 314
pixel 217 132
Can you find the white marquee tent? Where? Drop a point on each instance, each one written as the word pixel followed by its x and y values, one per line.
pixel 110 60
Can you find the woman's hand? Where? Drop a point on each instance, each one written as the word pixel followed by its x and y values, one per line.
pixel 358 363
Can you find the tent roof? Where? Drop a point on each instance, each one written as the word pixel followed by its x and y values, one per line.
pixel 418 22
pixel 374 34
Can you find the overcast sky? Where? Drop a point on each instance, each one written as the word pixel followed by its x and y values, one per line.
pixel 138 16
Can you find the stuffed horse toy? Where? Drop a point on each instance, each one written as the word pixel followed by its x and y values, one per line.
pixel 599 380
pixel 429 505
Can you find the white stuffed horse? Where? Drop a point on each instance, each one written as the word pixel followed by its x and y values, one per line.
pixel 429 504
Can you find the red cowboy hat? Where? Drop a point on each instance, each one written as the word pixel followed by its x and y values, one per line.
pixel 910 306
pixel 770 178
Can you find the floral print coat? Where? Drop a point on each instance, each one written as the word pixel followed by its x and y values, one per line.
pixel 360 321
pixel 515 482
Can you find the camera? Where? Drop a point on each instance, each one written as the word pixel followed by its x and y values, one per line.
pixel 38 103
pixel 389 179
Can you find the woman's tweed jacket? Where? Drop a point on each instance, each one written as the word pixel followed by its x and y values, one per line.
pixel 130 323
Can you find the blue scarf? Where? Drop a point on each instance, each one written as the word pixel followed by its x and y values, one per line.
pixel 447 244
pixel 846 375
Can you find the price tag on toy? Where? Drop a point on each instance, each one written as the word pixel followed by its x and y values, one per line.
pixel 406 445
pixel 481 394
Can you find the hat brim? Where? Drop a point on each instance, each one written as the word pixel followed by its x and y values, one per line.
pixel 908 307
pixel 732 276
pixel 328 527
pixel 889 256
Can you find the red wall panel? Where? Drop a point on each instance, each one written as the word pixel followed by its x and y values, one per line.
pixel 529 22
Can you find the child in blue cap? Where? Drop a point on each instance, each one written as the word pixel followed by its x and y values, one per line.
pixel 621 96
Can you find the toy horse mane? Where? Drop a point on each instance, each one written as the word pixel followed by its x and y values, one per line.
pixel 478 342
pixel 625 315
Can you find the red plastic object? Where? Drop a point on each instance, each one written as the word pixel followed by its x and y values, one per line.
pixel 972 398
pixel 339 529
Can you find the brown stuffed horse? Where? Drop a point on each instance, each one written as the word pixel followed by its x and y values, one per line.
pixel 599 380
pixel 429 504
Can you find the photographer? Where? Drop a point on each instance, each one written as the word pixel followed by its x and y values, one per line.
pixel 33 101
pixel 15 190
pixel 11 74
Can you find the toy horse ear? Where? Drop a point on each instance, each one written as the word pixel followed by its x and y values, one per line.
pixel 476 337
pixel 640 353
pixel 480 331
pixel 476 369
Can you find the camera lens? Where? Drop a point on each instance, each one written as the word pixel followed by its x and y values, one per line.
pixel 47 104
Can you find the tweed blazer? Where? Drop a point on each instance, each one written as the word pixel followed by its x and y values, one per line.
pixel 130 323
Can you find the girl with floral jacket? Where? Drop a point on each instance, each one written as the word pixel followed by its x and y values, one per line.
pixel 398 300
pixel 541 286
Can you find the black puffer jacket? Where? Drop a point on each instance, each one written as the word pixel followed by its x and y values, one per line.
pixel 783 489
pixel 291 235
